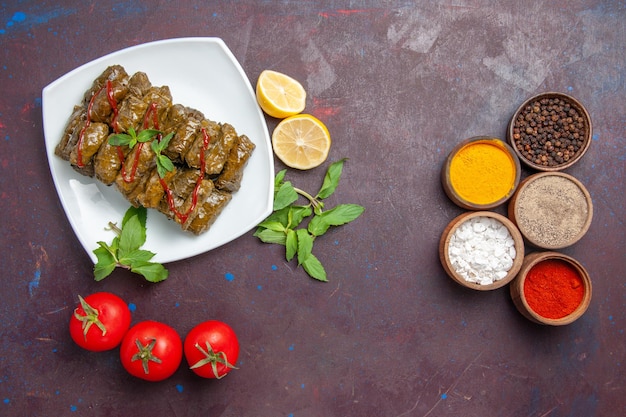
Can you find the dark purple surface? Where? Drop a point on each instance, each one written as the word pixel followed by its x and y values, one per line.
pixel 398 85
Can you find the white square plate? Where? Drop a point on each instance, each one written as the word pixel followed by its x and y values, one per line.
pixel 203 74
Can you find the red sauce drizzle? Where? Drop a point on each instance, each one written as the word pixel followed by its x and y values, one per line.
pixel 113 105
pixel 133 169
pixel 194 196
pixel 152 110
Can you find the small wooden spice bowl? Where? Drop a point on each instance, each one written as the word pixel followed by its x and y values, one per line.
pixel 519 298
pixel 552 210
pixel 449 232
pixel 497 174
pixel 550 131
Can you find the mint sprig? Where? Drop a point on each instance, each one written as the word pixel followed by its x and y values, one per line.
pixel 158 145
pixel 125 249
pixel 283 226
pixel 164 164
pixel 131 138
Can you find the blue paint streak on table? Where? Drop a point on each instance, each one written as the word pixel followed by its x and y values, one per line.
pixel 398 84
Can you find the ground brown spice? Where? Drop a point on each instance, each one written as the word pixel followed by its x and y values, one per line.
pixel 551 211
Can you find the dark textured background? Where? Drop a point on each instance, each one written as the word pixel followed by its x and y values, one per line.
pixel 398 84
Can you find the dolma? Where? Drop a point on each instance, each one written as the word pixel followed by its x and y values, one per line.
pixel 185 124
pixel 107 162
pixel 94 136
pixel 138 164
pixel 133 108
pixel 186 207
pixel 208 211
pixel 101 106
pixel 230 178
pixel 150 194
pixel 222 137
pixel 71 133
pixel 158 100
pixel 113 72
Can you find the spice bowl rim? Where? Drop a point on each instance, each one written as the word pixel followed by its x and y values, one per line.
pixel 462 202
pixel 586 142
pixel 519 299
pixel 513 209
pixel 454 224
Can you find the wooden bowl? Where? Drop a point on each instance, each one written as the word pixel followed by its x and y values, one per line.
pixel 554 132
pixel 519 299
pixel 444 250
pixel 487 173
pixel 552 210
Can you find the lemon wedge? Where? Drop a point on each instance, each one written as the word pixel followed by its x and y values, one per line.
pixel 301 141
pixel 279 95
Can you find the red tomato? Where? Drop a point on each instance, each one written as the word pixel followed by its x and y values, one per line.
pixel 211 349
pixel 100 321
pixel 151 351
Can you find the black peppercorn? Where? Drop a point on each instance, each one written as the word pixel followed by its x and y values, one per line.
pixel 549 131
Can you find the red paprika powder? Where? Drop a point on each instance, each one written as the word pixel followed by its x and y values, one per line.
pixel 553 288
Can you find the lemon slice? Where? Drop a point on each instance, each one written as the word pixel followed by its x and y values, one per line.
pixel 301 141
pixel 279 95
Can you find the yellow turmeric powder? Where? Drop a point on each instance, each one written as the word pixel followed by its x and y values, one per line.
pixel 482 172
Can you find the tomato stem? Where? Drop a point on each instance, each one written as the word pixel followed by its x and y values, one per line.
pixel 145 355
pixel 90 317
pixel 213 358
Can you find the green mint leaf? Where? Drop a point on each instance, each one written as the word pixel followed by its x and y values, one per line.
pixel 284 196
pixel 132 237
pixel 112 249
pixel 160 145
pixel 114 246
pixel 141 213
pixel 270 236
pixel 151 271
pixel 318 208
pixel 291 245
pixel 278 180
pixel 154 145
pixel 147 134
pixel 281 216
pixel 106 262
pixel 314 268
pixel 165 141
pixel 297 214
pixel 305 245
pixel 120 139
pixel 160 169
pixel 342 214
pixel 331 179
pixel 272 225
pixel 318 225
pixel 139 255
pixel 288 217
pixel 337 216
pixel 164 165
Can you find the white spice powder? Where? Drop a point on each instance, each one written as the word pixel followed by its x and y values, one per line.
pixel 482 250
